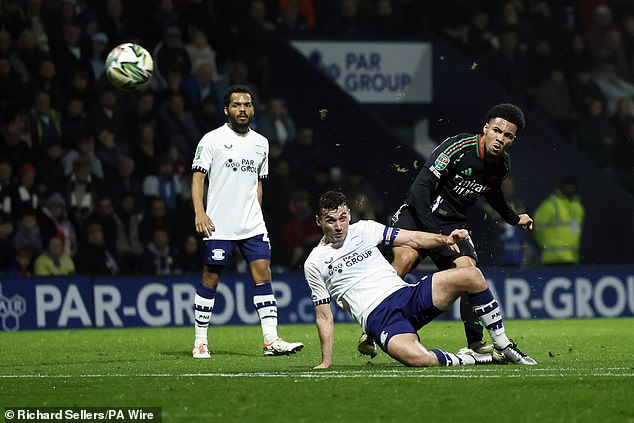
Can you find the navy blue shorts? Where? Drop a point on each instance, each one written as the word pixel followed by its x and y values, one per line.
pixel 218 252
pixel 406 218
pixel 405 311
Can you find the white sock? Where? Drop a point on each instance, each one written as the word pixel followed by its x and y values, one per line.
pixel 203 308
pixel 266 306
pixel 488 311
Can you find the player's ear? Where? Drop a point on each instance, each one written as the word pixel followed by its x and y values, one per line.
pixel 486 126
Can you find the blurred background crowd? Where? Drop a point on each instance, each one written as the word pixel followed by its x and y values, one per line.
pixel 95 180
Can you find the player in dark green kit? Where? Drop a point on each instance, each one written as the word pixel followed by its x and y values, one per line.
pixel 459 171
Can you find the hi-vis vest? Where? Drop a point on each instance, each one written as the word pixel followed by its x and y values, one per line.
pixel 558 225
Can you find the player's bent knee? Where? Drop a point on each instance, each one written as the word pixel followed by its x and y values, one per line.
pixel 476 279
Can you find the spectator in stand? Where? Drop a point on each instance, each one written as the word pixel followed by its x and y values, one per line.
pixel 351 22
pixel 200 84
pixel 479 37
pixel 170 55
pixel 129 247
pixel 15 139
pixel 85 148
pixel 200 51
pixel 156 216
pixel 108 114
pixel 8 190
pixel 305 10
pixel 300 234
pixel 109 151
pixel 54 261
pixel 28 234
pixel 27 198
pixel 207 115
pixel 278 191
pixel 624 161
pixel 11 85
pixel 508 66
pixel 81 191
pixel 104 216
pixel 98 55
pixel 74 122
pixel 93 257
pixel 72 53
pixel 276 122
pixel 584 90
pixel 612 85
pixel 51 168
pixel 164 184
pixel 124 182
pixel 596 137
pixel 81 85
pixel 364 201
pixel 554 102
pixel 622 117
pixel 602 22
pixel 146 111
pixel 22 266
pixel 46 122
pixel 112 20
pixel 159 258
pixel 181 126
pixel 190 255
pixel 47 79
pixel 146 150
pixel 29 51
pixel 54 221
pixel 304 153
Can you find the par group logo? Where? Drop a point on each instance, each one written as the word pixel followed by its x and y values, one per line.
pixel 11 309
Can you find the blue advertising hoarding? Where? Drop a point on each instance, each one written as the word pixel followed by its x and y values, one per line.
pixel 61 303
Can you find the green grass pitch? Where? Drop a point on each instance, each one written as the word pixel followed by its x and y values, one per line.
pixel 585 373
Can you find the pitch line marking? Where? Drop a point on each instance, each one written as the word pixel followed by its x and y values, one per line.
pixel 386 374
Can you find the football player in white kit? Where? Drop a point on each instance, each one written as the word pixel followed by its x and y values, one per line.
pixel 234 158
pixel 348 267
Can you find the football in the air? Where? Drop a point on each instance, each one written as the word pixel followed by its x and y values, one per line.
pixel 129 66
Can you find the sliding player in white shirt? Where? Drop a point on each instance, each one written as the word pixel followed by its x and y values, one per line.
pixel 235 159
pixel 348 267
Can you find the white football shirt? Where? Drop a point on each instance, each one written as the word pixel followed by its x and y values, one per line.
pixel 234 163
pixel 354 273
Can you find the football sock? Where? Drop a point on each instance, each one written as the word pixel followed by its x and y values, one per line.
pixel 488 311
pixel 203 307
pixel 448 359
pixel 266 306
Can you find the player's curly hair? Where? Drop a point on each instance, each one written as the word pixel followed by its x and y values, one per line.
pixel 509 112
pixel 331 200
pixel 226 98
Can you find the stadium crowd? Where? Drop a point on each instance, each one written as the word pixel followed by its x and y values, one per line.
pixel 97 180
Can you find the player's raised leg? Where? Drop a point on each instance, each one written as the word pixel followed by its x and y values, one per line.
pixel 449 284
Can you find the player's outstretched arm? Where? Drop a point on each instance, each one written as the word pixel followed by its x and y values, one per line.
pixel 326 329
pixel 418 239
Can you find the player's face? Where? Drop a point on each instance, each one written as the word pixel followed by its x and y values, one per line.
pixel 334 224
pixel 240 112
pixel 499 134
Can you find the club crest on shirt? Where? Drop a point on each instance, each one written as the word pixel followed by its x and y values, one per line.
pixel 441 162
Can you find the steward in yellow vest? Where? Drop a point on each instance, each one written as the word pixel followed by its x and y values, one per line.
pixel 558 225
